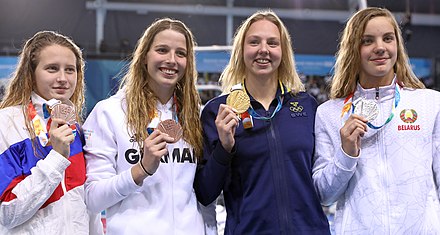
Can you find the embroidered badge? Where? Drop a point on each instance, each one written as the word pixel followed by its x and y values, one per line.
pixel 297 110
pixel 408 115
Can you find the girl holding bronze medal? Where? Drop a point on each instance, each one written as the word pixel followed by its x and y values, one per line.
pixel 143 143
pixel 41 158
pixel 259 137
pixel 378 139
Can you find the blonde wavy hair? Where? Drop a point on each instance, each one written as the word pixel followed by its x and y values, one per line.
pixel 22 83
pixel 235 71
pixel 140 98
pixel 347 67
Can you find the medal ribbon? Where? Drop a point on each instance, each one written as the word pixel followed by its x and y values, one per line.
pixel 175 114
pixel 40 130
pixel 350 106
pixel 278 108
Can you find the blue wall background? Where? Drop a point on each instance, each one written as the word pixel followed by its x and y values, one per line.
pixel 102 76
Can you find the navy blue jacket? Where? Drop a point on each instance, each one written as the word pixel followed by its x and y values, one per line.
pixel 267 180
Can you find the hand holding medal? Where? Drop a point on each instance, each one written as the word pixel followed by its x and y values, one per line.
pixel 239 100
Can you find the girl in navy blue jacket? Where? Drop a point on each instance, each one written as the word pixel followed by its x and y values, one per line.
pixel 261 156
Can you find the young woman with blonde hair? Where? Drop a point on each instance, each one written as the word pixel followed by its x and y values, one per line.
pixel 259 137
pixel 378 138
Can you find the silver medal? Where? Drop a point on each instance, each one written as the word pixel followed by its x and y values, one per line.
pixel 366 108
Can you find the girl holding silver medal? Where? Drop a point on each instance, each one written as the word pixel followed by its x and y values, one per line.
pixel 378 139
pixel 143 143
pixel 259 137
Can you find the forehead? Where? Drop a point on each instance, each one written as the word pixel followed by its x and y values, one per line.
pixel 169 37
pixel 57 54
pixel 263 28
pixel 380 24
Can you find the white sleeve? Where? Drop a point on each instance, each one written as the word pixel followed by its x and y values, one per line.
pixel 34 190
pixel 436 150
pixel 209 217
pixel 332 168
pixel 104 186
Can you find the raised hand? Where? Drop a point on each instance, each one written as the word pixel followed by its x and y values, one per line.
pixel 226 123
pixel 354 128
pixel 61 136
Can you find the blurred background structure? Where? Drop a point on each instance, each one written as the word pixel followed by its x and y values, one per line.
pixel 108 30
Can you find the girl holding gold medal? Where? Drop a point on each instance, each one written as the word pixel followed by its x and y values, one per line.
pixel 143 143
pixel 259 137
pixel 378 139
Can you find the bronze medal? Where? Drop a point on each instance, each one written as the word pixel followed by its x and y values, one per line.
pixel 172 128
pixel 239 100
pixel 65 111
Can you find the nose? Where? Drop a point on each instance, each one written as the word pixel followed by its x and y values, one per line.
pixel 171 58
pixel 62 78
pixel 263 49
pixel 380 47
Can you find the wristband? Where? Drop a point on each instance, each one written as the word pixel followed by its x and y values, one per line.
pixel 143 168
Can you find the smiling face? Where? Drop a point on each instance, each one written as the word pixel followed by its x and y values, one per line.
pixel 378 53
pixel 262 49
pixel 56 73
pixel 166 61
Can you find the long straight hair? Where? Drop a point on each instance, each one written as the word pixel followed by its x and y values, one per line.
pixel 348 59
pixel 235 71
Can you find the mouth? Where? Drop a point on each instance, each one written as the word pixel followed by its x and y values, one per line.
pixel 168 71
pixel 381 59
pixel 262 61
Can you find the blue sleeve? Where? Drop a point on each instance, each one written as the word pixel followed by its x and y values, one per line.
pixel 213 170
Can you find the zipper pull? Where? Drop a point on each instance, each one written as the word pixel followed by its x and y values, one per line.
pixel 377 93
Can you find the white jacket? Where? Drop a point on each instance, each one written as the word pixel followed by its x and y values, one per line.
pixel 393 186
pixel 40 194
pixel 165 203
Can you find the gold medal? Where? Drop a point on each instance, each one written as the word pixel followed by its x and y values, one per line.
pixel 239 100
pixel 172 128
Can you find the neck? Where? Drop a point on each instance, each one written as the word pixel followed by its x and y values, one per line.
pixel 368 82
pixel 163 97
pixel 262 90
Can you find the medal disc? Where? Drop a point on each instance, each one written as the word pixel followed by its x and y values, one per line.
pixel 65 111
pixel 366 108
pixel 172 128
pixel 239 100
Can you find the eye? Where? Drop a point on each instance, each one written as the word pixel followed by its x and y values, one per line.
pixel 253 42
pixel 388 38
pixel 181 54
pixel 71 70
pixel 273 43
pixel 52 68
pixel 366 41
pixel 161 50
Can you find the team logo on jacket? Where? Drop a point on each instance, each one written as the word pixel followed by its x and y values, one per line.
pixel 297 110
pixel 178 155
pixel 408 116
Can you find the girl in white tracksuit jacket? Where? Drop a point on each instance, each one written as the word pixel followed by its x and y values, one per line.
pixel 42 165
pixel 383 172
pixel 142 176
